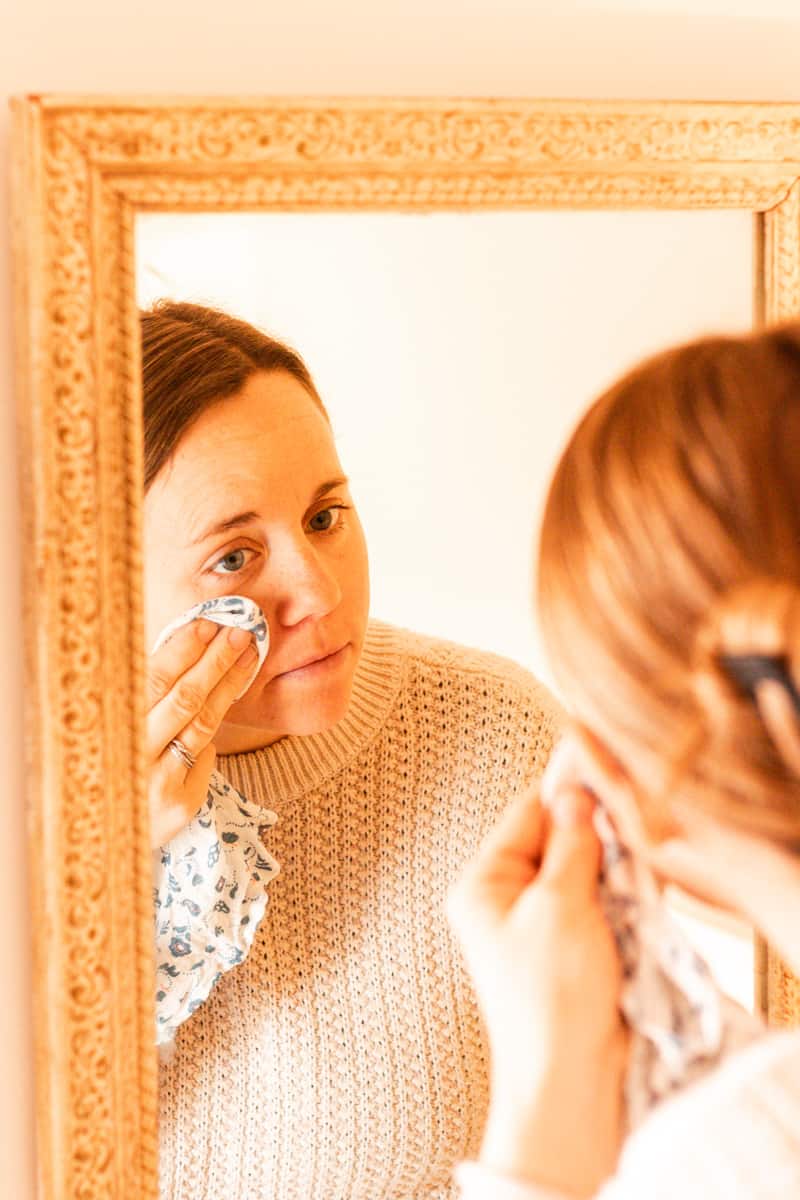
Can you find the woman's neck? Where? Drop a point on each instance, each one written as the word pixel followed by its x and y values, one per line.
pixel 747 874
pixel 773 904
pixel 237 739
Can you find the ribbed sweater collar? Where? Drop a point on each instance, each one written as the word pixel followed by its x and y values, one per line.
pixel 295 765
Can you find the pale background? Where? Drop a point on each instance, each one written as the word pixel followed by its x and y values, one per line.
pixel 711 50
pixel 455 352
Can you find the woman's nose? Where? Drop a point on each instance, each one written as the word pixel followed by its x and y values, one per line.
pixel 301 584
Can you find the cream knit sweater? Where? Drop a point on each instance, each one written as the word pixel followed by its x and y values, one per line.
pixel 345 1059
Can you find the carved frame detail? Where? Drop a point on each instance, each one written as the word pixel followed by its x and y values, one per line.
pixel 83 168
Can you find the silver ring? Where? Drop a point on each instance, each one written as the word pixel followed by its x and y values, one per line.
pixel 180 751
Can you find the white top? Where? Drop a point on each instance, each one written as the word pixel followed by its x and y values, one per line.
pixel 733 1136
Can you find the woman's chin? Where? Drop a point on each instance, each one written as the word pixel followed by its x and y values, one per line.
pixel 302 720
pixel 292 718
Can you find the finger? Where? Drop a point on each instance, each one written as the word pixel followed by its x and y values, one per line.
pixel 573 852
pixel 186 647
pixel 189 695
pixel 179 770
pixel 178 804
pixel 581 760
pixel 199 732
pixel 504 866
pixel 516 838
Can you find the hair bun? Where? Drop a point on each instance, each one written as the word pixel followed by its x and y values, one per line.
pixel 751 637
pixel 748 671
pixel 760 617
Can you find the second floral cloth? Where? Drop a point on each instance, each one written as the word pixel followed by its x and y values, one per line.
pixel 681 1024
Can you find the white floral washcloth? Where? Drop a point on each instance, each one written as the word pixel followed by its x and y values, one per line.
pixel 240 611
pixel 210 879
pixel 681 1024
pixel 210 896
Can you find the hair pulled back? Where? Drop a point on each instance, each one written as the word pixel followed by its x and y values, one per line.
pixel 193 357
pixel 671 542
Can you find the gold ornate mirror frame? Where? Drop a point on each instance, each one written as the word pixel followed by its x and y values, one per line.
pixel 83 168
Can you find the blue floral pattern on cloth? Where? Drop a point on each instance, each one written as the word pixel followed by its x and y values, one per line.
pixel 682 1024
pixel 210 896
pixel 238 611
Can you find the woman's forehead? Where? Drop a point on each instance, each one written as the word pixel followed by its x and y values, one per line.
pixel 271 405
pixel 270 446
pixel 273 420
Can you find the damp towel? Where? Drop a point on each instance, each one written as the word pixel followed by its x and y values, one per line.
pixel 210 879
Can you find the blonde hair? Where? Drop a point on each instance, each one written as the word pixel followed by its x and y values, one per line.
pixel 670 542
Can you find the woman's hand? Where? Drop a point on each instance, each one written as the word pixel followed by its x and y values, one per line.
pixel 548 979
pixel 191 683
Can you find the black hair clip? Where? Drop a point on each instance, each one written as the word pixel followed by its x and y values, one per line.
pixel 747 671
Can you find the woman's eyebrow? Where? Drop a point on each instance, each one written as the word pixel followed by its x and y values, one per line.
pixel 242 518
pixel 246 518
pixel 329 486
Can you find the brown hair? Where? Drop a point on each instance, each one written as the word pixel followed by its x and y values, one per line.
pixel 671 539
pixel 193 357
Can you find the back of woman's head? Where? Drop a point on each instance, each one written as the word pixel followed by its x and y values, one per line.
pixel 670 548
pixel 193 357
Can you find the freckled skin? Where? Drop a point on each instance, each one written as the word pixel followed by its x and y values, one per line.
pixel 265 451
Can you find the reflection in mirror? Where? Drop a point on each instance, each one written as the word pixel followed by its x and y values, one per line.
pixel 453 354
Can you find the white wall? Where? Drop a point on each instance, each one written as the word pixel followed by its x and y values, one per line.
pixel 455 352
pixel 456 47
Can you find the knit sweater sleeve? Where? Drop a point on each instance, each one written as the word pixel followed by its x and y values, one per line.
pixel 732 1137
pixel 209 897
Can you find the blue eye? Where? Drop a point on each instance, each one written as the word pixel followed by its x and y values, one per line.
pixel 230 563
pixel 326 519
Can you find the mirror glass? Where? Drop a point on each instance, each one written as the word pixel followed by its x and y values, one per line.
pixel 454 352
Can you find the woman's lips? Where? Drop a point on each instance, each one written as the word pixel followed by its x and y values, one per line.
pixel 317 666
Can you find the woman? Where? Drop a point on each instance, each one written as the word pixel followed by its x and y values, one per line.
pixel 344 1057
pixel 669 598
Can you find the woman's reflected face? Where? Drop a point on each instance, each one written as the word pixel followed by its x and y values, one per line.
pixel 254 501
